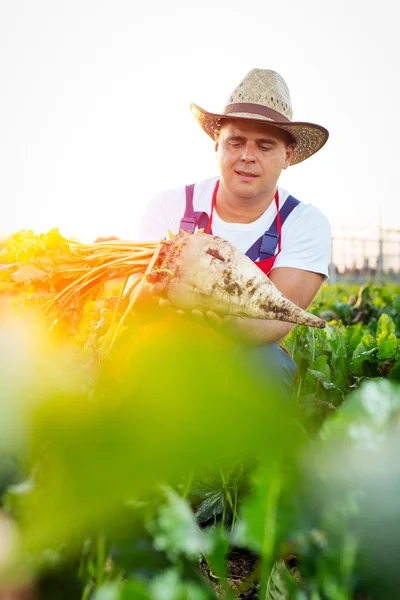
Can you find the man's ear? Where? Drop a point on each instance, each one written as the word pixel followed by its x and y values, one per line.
pixel 289 155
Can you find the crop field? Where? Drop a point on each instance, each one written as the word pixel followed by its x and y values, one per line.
pixel 141 460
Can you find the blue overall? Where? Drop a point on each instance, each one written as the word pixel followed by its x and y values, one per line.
pixel 265 360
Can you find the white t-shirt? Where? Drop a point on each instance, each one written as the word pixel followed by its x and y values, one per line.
pixel 306 236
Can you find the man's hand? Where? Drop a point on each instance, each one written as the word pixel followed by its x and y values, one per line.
pixel 149 302
pixel 147 296
pixel 208 317
pixel 297 285
pixel 153 292
pixel 155 287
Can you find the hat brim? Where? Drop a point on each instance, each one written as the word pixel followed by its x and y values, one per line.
pixel 309 137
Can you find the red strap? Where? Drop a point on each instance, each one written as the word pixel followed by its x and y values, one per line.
pixel 213 201
pixel 266 265
pixel 278 222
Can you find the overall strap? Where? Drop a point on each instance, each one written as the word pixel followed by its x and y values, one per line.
pixel 188 222
pixel 192 219
pixel 265 246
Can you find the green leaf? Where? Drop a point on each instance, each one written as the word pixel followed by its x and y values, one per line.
pixel 18 497
pixel 322 379
pixel 108 591
pixel 280 583
pixel 256 527
pixel 364 351
pixel 385 325
pixel 366 414
pixel 169 586
pixel 211 507
pixel 354 336
pixel 219 544
pixel 387 347
pixel 175 530
pixel 386 338
pixel 322 365
pixel 134 590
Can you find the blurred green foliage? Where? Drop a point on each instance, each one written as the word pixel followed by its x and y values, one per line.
pixel 167 472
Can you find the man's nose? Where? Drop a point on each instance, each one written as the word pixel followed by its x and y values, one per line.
pixel 248 154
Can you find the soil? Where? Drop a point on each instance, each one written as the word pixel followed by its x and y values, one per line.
pixel 241 568
pixel 242 575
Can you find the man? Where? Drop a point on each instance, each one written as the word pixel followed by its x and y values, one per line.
pixel 255 139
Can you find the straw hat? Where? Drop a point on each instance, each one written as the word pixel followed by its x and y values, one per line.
pixel 264 96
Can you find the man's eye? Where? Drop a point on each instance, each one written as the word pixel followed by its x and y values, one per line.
pixel 265 148
pixel 235 144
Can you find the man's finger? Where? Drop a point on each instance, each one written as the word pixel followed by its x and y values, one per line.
pixel 154 276
pixel 158 288
pixel 164 302
pixel 214 317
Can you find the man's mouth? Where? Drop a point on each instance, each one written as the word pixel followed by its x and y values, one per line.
pixel 246 174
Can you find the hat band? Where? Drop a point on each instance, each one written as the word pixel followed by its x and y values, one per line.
pixel 256 109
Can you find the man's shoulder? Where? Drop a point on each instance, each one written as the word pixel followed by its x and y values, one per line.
pixel 306 240
pixel 313 217
pixel 164 212
pixel 305 212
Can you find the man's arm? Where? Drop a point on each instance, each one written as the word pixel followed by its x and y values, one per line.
pixel 298 286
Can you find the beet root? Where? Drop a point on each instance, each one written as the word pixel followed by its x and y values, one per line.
pixel 210 274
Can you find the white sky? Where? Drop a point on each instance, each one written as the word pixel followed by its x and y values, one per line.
pixel 95 94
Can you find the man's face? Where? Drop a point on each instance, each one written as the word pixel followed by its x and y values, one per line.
pixel 251 156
